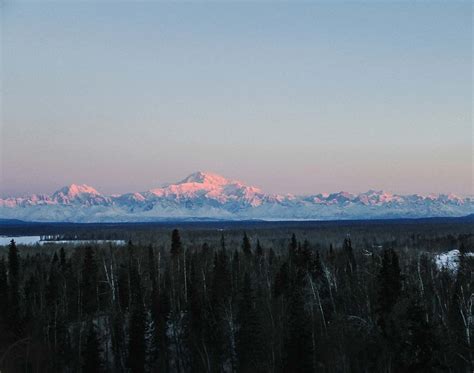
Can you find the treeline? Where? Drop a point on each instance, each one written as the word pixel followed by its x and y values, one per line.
pixel 249 308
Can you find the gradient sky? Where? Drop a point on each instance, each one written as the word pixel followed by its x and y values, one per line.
pixel 291 97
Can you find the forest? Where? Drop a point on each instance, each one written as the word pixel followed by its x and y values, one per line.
pixel 234 300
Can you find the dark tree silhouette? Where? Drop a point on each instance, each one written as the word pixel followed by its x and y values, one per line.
pixel 246 246
pixel 89 282
pixel 176 247
pixel 137 347
pixel 91 353
pixel 298 348
pixel 211 308
pixel 250 336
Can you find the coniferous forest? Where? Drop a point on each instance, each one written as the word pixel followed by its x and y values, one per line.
pixel 237 302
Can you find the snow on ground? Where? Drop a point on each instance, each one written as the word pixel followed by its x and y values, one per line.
pixel 34 240
pixel 449 260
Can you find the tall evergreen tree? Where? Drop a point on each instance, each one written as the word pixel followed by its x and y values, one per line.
pixel 123 284
pixel 152 267
pixel 236 265
pixel 13 264
pixel 390 286
pixel 220 295
pixel 421 350
pixel 4 304
pixel 317 270
pixel 292 252
pixel 177 272
pixel 195 324
pixel 92 351
pixel 3 291
pixel 176 246
pixel 250 335
pixel 347 247
pixel 259 258
pixel 223 246
pixel 137 322
pixel 89 282
pixel 161 309
pixel 53 285
pixel 221 279
pixel 460 326
pixel 62 258
pixel 14 306
pixel 299 345
pixel 290 311
pixel 246 246
pixel 259 249
pixel 271 256
pixel 281 284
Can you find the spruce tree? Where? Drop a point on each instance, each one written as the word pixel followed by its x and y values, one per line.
pixel 458 315
pixel 4 304
pixel 62 258
pixel 258 249
pixel 52 288
pixel 13 264
pixel 223 247
pixel 221 279
pixel 91 352
pixel 298 347
pixel 390 285
pixel 250 335
pixel 421 347
pixel 54 319
pixel 259 258
pixel 137 322
pixel 177 272
pixel 221 291
pixel 123 287
pixel 161 313
pixel 246 246
pixel 347 247
pixel 176 247
pixel 14 306
pixel 282 281
pixel 236 264
pixel 152 267
pixel 195 322
pixel 3 291
pixel 89 282
pixel 137 345
pixel 317 270
pixel 293 244
pixel 271 256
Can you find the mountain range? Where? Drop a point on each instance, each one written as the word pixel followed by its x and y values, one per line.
pixel 205 195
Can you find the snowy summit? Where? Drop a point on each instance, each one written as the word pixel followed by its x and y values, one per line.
pixel 209 195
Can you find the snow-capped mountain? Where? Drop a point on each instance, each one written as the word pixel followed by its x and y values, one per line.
pixel 210 187
pixel 208 195
pixel 83 194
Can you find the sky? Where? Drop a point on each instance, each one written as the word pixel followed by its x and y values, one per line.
pixel 293 97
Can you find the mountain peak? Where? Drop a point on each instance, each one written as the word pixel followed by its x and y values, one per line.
pixel 204 177
pixel 206 194
pixel 75 190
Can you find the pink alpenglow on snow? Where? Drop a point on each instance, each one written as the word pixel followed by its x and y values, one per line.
pixel 211 186
pixel 209 195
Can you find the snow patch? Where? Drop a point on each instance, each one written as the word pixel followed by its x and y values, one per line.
pixel 449 260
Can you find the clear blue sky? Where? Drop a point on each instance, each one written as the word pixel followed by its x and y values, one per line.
pixel 292 97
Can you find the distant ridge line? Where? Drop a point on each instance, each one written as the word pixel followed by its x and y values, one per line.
pixel 204 195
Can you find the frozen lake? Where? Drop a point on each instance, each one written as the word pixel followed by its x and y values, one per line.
pixel 33 240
